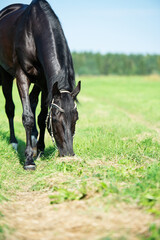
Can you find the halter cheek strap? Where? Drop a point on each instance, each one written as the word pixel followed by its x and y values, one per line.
pixel 49 117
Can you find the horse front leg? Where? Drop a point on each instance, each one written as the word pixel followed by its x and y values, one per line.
pixel 23 84
pixel 42 125
pixel 34 101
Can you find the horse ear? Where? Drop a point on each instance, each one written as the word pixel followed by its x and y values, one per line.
pixel 76 90
pixel 55 90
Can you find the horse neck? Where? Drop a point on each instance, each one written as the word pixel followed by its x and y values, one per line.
pixel 54 63
pixel 52 48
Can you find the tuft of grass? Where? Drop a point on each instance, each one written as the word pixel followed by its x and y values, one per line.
pixel 62 194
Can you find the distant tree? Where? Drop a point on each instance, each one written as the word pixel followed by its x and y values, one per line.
pixel 89 63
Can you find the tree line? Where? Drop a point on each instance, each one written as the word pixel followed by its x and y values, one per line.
pixel 88 63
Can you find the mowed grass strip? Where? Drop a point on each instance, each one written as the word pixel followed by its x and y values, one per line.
pixel 117 145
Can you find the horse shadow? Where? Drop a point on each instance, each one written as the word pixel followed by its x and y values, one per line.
pixel 50 151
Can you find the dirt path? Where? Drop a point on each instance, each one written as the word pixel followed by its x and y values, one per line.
pixel 32 217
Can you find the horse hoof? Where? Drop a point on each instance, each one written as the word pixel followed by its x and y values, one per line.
pixel 15 146
pixel 30 167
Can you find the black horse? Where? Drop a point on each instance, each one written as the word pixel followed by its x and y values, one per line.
pixel 33 49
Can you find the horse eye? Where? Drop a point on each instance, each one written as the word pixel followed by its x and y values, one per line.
pixel 55 115
pixel 54 119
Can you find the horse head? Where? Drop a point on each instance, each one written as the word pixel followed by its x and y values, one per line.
pixel 62 118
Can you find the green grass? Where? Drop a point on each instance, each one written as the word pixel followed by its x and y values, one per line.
pixel 117 143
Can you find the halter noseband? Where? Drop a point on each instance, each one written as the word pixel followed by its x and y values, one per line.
pixel 49 115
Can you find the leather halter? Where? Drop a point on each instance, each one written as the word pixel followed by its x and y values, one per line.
pixel 49 115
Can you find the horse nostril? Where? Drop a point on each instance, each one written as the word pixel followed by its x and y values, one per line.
pixel 66 152
pixel 61 154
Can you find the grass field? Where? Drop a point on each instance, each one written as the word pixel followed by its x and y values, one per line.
pixel 110 190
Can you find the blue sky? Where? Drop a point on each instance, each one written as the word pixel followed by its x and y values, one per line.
pixel 117 26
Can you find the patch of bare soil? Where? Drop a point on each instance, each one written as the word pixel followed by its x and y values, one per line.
pixel 32 217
